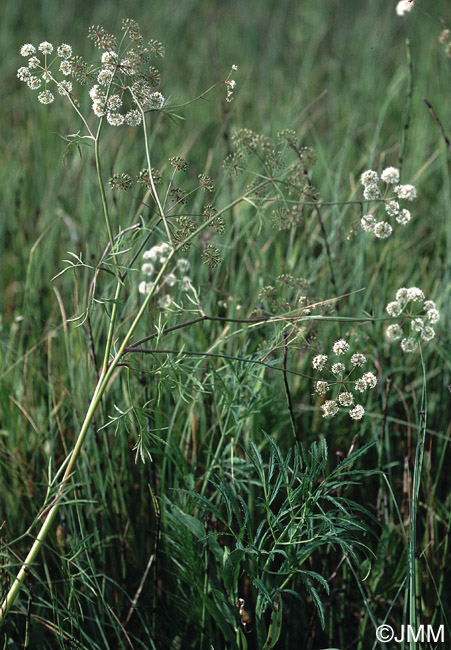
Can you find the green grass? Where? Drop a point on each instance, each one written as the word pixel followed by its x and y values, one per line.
pixel 241 495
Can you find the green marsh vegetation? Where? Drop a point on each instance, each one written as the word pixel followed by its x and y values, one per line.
pixel 225 325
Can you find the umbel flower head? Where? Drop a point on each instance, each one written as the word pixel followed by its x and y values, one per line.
pixel 415 316
pixel 337 370
pixel 153 259
pixel 393 209
pixel 122 87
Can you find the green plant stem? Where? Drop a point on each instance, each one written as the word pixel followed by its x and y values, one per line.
pixel 413 568
pixel 149 167
pixel 102 383
pixel 106 213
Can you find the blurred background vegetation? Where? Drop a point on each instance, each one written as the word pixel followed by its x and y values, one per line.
pixel 337 72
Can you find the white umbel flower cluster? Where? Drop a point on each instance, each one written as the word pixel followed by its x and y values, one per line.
pixel 37 71
pixel 153 259
pixel 393 209
pixel 416 313
pixel 339 380
pixel 122 90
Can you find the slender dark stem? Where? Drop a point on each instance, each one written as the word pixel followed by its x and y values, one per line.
pixel 436 118
pixel 191 353
pixel 406 125
pixel 249 321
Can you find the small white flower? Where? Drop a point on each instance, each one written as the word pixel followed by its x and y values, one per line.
pixel 358 359
pixel 95 92
pixel 145 287
pixel 406 192
pixel 23 73
pixel 321 387
pixel 404 6
pixel 45 47
pixel 393 308
pixel 330 408
pixel 382 229
pixel 65 67
pixel 34 82
pixel 64 51
pixel 357 412
pixel 151 254
pixel 46 75
pixel 170 279
pixel 393 332
pixel 114 103
pixel 46 97
pixel 346 399
pixel 368 222
pixel 337 368
pixel 409 344
pixel 164 302
pixel 429 304
pixel 428 333
pixel 433 316
pixel 340 347
pixel 156 101
pixel 392 208
pixel 234 67
pixel 33 62
pixel 115 119
pixel 390 175
pixel 417 324
pixel 147 268
pixel 319 361
pixel 370 379
pixel 366 382
pixel 415 294
pixel 403 217
pixel 28 49
pixel 369 177
pixel 371 192
pixel 133 118
pixel 98 107
pixel 109 57
pixel 402 295
pixel 360 385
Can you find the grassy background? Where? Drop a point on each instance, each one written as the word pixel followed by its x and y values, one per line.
pixel 337 73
